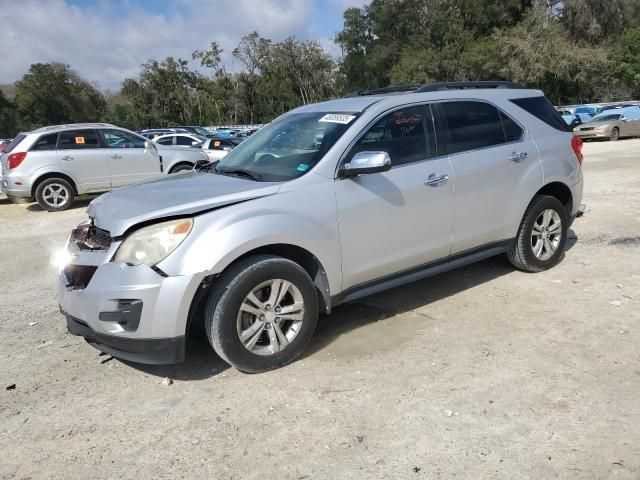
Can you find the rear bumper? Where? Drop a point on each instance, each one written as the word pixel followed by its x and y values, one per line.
pixel 15 186
pixel 154 351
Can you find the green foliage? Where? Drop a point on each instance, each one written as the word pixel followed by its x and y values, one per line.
pixel 7 117
pixel 52 93
pixel 626 56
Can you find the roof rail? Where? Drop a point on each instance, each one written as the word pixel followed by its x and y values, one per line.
pixel 385 90
pixel 441 86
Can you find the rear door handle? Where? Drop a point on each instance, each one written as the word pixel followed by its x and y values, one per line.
pixel 435 180
pixel 67 158
pixel 518 156
pixel 116 157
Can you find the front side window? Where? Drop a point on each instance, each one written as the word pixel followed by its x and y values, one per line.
pixel 407 135
pixel 286 148
pixel 78 140
pixel 472 125
pixel 120 139
pixel 45 142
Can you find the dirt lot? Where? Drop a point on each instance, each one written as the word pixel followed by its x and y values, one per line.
pixel 485 372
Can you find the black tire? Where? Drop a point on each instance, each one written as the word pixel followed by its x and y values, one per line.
pixel 615 134
pixel 522 254
pixel 223 307
pixel 52 185
pixel 181 168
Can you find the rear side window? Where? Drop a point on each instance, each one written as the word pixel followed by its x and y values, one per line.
pixel 407 135
pixel 185 141
pixel 78 140
pixel 120 139
pixel 166 141
pixel 541 108
pixel 45 142
pixel 472 125
pixel 14 143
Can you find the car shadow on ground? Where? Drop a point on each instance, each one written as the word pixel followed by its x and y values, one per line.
pixel 80 202
pixel 202 362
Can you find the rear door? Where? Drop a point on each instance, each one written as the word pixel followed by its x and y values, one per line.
pixel 79 153
pixel 491 155
pixel 130 160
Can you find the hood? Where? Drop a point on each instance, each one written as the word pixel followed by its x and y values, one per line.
pixel 595 124
pixel 178 194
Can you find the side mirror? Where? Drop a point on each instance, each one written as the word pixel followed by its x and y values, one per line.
pixel 149 145
pixel 623 119
pixel 364 163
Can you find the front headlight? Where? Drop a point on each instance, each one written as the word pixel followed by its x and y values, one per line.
pixel 152 244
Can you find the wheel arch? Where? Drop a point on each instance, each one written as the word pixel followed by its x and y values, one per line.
pixel 559 190
pixel 180 163
pixel 45 176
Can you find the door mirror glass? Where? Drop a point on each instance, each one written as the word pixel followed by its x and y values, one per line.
pixel 364 163
pixel 624 119
pixel 149 145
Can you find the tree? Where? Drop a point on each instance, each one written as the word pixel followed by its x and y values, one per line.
pixel 626 56
pixel 52 93
pixel 7 117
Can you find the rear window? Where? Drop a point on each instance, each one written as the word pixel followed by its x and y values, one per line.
pixel 14 143
pixel 78 140
pixel 542 109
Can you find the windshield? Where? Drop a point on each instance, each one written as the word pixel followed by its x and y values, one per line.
pixel 287 148
pixel 585 109
pixel 607 118
pixel 203 132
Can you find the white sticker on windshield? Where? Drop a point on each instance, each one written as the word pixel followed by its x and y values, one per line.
pixel 337 118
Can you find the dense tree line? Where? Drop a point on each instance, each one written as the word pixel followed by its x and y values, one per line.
pixel 574 50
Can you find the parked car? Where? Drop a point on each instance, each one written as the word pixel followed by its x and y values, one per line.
pixel 261 243
pixel 153 134
pixel 181 140
pixel 217 148
pixel 569 118
pixel 55 164
pixel 194 129
pixel 609 125
pixel 586 112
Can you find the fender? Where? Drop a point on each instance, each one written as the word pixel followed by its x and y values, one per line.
pixel 52 169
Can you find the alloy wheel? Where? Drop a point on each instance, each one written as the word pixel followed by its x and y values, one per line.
pixel 55 195
pixel 546 234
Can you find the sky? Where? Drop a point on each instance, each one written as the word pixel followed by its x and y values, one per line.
pixel 106 41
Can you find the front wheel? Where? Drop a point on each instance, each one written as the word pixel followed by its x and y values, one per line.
pixel 615 134
pixel 262 313
pixel 542 235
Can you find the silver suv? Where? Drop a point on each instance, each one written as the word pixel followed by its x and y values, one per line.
pixel 327 204
pixel 54 164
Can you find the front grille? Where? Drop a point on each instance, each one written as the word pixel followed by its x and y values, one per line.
pixel 587 129
pixel 79 276
pixel 88 237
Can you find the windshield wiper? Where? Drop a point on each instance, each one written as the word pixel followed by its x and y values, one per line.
pixel 241 172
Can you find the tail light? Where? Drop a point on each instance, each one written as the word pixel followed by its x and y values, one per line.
pixel 576 144
pixel 15 159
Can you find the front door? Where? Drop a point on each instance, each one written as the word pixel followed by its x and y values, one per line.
pixel 130 160
pixel 400 219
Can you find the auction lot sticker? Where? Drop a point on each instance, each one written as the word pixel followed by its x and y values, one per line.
pixel 79 140
pixel 337 118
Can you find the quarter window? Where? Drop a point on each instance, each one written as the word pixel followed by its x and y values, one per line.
pixel 46 142
pixel 407 135
pixel 512 131
pixel 78 140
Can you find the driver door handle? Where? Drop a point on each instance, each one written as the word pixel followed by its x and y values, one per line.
pixel 116 157
pixel 435 180
pixel 67 158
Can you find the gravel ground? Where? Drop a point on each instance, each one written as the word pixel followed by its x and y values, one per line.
pixel 484 372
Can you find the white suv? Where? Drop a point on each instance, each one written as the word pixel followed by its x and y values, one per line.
pixel 327 204
pixel 54 164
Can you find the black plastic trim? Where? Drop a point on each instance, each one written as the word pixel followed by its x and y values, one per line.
pixel 421 272
pixel 152 351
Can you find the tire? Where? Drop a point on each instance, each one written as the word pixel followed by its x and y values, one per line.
pixel 224 320
pixel 47 191
pixel 615 134
pixel 523 254
pixel 181 168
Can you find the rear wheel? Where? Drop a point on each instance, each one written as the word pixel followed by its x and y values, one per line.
pixel 615 134
pixel 542 235
pixel 55 194
pixel 262 313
